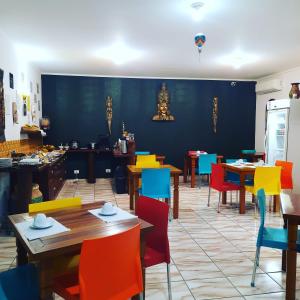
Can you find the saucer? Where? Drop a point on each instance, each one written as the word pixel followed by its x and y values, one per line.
pixel 48 224
pixel 114 212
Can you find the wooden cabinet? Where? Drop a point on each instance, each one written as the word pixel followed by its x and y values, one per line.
pixel 52 178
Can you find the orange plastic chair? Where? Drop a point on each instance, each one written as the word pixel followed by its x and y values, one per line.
pixel 110 268
pixel 286 174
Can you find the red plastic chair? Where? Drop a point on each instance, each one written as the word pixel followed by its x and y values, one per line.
pixel 109 268
pixel 218 183
pixel 157 242
pixel 286 177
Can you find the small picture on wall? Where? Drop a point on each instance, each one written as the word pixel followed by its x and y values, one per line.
pixel 11 80
pixel 37 88
pixel 15 112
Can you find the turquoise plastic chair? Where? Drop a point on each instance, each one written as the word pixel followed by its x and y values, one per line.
pixel 20 283
pixel 142 152
pixel 156 183
pixel 252 151
pixel 204 164
pixel 275 238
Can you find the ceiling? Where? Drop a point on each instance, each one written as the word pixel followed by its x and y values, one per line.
pixel 66 36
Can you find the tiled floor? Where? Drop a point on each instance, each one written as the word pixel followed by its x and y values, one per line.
pixel 212 254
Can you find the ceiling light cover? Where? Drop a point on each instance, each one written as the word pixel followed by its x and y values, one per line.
pixel 237 59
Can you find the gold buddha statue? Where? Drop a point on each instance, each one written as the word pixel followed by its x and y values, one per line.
pixel 163 113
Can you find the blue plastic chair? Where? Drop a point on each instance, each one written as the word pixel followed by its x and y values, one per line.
pixel 276 238
pixel 142 152
pixel 20 283
pixel 156 183
pixel 252 151
pixel 204 164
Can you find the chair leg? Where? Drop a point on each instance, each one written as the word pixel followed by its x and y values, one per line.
pixel 169 282
pixel 255 266
pixel 219 202
pixel 270 204
pixel 208 201
pixel 230 198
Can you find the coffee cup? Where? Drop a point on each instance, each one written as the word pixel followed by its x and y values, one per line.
pixel 198 152
pixel 107 208
pixel 40 220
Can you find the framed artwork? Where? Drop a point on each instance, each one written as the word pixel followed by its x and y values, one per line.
pixel 15 113
pixel 11 80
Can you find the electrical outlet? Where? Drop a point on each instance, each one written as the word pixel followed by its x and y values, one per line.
pixel 107 170
pixel 76 171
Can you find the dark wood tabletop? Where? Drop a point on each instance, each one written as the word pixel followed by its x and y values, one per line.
pixel 83 226
pixel 290 206
pixel 134 170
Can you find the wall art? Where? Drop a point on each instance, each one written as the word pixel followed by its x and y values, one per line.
pixel 215 114
pixel 109 112
pixel 11 80
pixel 2 108
pixel 15 113
pixel 163 102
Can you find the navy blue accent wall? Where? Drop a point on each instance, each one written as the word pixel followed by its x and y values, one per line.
pixel 76 107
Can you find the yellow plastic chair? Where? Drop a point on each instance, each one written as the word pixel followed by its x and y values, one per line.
pixel 267 178
pixel 147 161
pixel 54 204
pixel 66 263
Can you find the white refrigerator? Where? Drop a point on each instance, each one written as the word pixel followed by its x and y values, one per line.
pixel 282 141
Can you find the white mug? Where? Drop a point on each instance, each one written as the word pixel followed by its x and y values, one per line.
pixel 107 208
pixel 40 220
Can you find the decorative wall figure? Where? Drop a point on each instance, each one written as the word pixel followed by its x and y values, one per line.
pixel 2 108
pixel 11 80
pixel 24 97
pixel 294 92
pixel 215 114
pixel 15 112
pixel 109 112
pixel 163 113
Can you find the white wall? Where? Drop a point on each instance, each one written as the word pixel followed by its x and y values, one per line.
pixel 23 73
pixel 287 77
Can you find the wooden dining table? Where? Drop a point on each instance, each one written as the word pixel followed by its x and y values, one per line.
pixel 83 225
pixel 135 173
pixel 243 171
pixel 290 207
pixel 190 163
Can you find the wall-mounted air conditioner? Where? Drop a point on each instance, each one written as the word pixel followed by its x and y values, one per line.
pixel 268 86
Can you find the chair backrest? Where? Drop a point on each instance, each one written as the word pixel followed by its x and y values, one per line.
pixel 267 178
pixel 217 176
pixel 54 204
pixel 262 212
pixel 147 161
pixel 156 213
pixel 110 267
pixel 20 283
pixel 205 161
pixel 142 152
pixel 233 160
pixel 286 173
pixel 156 182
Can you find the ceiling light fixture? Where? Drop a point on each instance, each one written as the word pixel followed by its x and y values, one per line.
pixel 238 59
pixel 119 53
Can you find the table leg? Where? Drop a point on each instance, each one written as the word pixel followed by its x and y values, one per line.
pixel 185 168
pixel 176 197
pixel 46 279
pixel 224 197
pixel 283 261
pixel 136 189
pixel 276 203
pixel 22 258
pixel 131 191
pixel 242 194
pixel 193 171
pixel 291 261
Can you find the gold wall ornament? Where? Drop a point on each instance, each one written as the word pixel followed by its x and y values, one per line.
pixel 163 113
pixel 109 112
pixel 215 114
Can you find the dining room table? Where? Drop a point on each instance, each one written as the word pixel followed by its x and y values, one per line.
pixel 290 207
pixel 190 164
pixel 135 173
pixel 83 225
pixel 244 170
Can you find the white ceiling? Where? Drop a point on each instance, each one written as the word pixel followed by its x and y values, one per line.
pixel 63 36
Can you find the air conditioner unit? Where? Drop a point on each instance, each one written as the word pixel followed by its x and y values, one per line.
pixel 269 86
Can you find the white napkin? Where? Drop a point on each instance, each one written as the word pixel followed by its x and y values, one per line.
pixel 260 163
pixel 239 161
pixel 121 215
pixel 32 234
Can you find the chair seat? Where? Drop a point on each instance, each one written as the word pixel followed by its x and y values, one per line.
pixel 277 238
pixel 227 186
pixel 67 286
pixel 153 257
